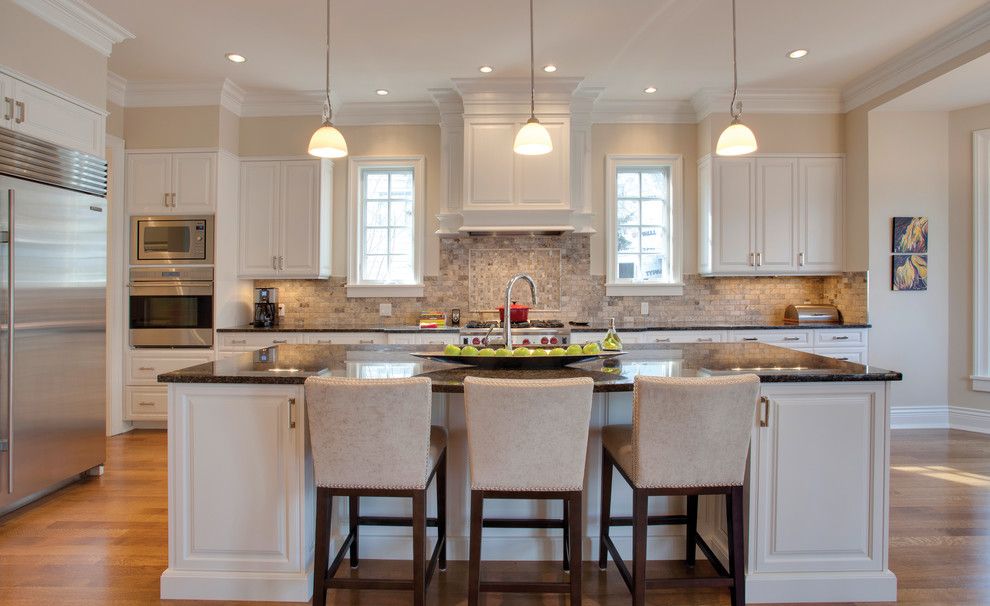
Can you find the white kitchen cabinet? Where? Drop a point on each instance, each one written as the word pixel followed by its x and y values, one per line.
pixel 257 340
pixel 770 215
pixel 37 112
pixel 144 365
pixel 171 183
pixel 682 336
pixel 857 356
pixel 345 338
pixel 794 339
pixel 145 403
pixel 285 219
pixel 423 338
pixel 855 337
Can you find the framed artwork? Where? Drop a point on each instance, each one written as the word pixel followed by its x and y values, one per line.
pixel 909 272
pixel 910 235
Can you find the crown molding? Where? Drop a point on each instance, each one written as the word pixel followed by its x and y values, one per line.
pixel 79 20
pixel 959 37
pixel 709 101
pixel 232 96
pixel 116 89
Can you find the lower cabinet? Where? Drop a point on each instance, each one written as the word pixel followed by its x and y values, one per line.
pixel 344 338
pixel 418 338
pixel 145 403
pixel 144 397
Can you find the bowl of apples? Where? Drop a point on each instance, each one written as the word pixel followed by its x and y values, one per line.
pixel 519 358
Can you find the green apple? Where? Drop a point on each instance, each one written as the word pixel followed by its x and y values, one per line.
pixel 469 350
pixel 539 351
pixel 591 348
pixel 452 350
pixel 502 352
pixel 486 352
pixel 557 351
pixel 573 350
pixel 522 352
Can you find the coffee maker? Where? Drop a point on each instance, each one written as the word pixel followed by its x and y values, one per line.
pixel 265 307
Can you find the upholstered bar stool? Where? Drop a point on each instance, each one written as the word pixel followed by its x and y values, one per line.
pixel 689 436
pixel 527 440
pixel 372 437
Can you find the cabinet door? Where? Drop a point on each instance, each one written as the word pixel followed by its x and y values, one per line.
pixel 258 220
pixel 776 214
pixel 819 470
pixel 194 183
pixel 299 220
pixel 543 181
pixel 6 101
pixel 489 165
pixel 821 194
pixel 149 183
pixel 733 211
pixel 56 120
pixel 147 403
pixel 345 338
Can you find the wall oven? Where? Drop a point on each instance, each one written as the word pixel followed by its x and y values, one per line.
pixel 185 240
pixel 171 307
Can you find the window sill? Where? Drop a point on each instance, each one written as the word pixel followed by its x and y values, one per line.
pixel 358 291
pixel 980 383
pixel 644 290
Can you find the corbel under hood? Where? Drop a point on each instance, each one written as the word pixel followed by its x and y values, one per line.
pixel 487 188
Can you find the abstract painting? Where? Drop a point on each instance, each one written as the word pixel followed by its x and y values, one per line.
pixel 909 272
pixel 910 235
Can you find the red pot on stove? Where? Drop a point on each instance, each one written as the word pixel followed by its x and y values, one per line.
pixel 517 313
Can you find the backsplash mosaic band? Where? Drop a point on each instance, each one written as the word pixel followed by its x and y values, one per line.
pixel 473 271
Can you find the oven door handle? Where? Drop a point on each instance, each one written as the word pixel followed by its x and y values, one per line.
pixel 150 289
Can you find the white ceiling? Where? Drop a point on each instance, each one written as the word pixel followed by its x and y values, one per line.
pixel 408 47
pixel 965 86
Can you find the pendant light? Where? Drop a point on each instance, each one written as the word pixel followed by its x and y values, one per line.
pixel 327 141
pixel 533 138
pixel 737 139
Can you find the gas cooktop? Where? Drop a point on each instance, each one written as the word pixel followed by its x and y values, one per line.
pixel 550 333
pixel 475 324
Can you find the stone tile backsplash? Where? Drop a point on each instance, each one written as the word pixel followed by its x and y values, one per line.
pixel 474 271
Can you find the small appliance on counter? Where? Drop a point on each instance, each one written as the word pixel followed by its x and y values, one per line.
pixel 265 307
pixel 812 314
pixel 432 319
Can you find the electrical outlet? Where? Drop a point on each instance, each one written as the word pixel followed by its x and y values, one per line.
pixel 281 310
pixel 385 310
pixel 644 308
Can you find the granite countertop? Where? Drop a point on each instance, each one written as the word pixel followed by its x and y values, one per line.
pixel 453 329
pixel 292 364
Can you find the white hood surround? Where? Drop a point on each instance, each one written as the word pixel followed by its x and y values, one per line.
pixel 489 189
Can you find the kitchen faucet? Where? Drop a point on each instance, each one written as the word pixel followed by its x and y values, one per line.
pixel 507 314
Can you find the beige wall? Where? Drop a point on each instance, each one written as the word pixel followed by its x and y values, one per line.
pixel 781 133
pixel 962 123
pixel 115 120
pixel 39 50
pixel 282 136
pixel 171 127
pixel 910 328
pixel 644 139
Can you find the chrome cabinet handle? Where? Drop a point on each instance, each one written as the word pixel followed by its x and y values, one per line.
pixel 274 262
pixel 664 340
pixel 372 341
pixel 708 340
pixel 752 259
pixel 145 368
pixel 292 413
pixel 765 418
pixel 10 108
pixel 792 338
pixel 759 259
pixel 281 263
pixel 801 259
pixel 173 199
pixel 842 338
pixel 844 359
pixel 166 201
pixel 146 403
pixel 239 341
pixel 324 341
pixel 22 116
pixel 751 338
pixel 279 341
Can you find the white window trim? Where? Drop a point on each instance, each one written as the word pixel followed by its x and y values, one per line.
pixel 615 288
pixel 981 261
pixel 355 287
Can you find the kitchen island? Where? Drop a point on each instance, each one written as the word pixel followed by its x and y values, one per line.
pixel 241 496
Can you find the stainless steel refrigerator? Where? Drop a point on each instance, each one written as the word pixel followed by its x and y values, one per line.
pixel 53 260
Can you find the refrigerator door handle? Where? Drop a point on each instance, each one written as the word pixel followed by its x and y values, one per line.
pixel 10 341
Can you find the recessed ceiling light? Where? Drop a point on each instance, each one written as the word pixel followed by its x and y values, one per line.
pixel 797 53
pixel 649 90
pixel 486 69
pixel 235 57
pixel 550 68
pixel 381 92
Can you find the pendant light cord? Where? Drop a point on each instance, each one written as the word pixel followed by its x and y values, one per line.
pixel 532 68
pixel 734 110
pixel 328 111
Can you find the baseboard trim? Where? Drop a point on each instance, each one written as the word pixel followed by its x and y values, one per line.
pixel 919 417
pixel 776 588
pixel 969 419
pixel 246 586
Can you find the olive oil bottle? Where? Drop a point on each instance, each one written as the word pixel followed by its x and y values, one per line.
pixel 611 342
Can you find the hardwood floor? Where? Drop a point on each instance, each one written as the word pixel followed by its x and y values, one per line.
pixel 103 540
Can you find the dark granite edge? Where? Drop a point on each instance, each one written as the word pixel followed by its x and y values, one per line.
pixel 679 327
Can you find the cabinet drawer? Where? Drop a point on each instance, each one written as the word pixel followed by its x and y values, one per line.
pixel 438 338
pixel 146 403
pixel 782 338
pixel 683 336
pixel 840 338
pixel 857 356
pixel 344 338
pixel 257 340
pixel 143 366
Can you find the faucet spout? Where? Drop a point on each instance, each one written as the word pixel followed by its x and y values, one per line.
pixel 507 316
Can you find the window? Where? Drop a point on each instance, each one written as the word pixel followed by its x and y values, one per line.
pixel 644 225
pixel 385 250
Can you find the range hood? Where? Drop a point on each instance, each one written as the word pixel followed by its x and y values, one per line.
pixel 487 188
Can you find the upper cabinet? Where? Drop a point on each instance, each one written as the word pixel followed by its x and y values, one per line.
pixel 40 113
pixel 171 183
pixel 285 218
pixel 770 215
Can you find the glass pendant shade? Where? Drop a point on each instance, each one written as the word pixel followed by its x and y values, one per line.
pixel 533 139
pixel 327 142
pixel 736 140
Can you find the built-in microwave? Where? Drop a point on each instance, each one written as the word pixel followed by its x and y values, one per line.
pixel 174 239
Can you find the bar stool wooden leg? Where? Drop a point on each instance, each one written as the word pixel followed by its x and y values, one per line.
pixel 322 555
pixel 734 517
pixel 474 563
pixel 442 511
pixel 606 510
pixel 574 530
pixel 419 548
pixel 691 544
pixel 567 536
pixel 640 525
pixel 354 505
